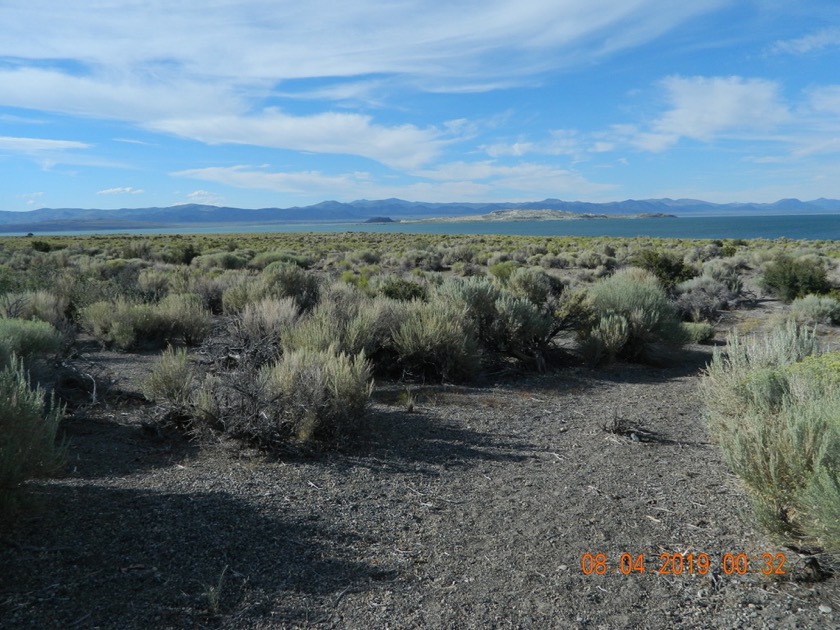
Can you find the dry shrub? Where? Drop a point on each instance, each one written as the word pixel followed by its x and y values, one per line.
pixel 28 428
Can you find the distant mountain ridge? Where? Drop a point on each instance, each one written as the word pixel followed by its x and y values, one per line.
pixel 194 215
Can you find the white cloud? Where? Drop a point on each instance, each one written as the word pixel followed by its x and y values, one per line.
pixel 31 198
pixel 206 198
pixel 117 95
pixel 824 38
pixel 38 145
pixel 703 107
pixel 256 178
pixel 283 39
pixel 403 146
pixel 121 191
pixel 825 99
pixel 455 181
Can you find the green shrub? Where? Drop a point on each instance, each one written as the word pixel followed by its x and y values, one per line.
pixel 28 340
pixel 606 339
pixel 284 280
pixel 184 316
pixel 264 321
pixel 435 340
pixel 502 271
pixel 398 288
pixel 171 380
pixel 813 309
pixel 533 284
pixel 316 394
pixel 477 297
pixel 668 268
pixel 698 332
pixel 790 278
pixel 263 259
pixel 28 429
pixel 523 330
pixel 635 295
pixel 774 409
pixel 221 260
pixel 41 305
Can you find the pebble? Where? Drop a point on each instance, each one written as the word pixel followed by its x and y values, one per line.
pixel 825 609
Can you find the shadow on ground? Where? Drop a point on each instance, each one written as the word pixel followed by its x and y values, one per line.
pixel 86 563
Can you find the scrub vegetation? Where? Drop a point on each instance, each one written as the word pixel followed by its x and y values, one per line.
pixel 280 341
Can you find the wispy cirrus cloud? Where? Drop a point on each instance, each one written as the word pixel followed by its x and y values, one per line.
pixel 130 61
pixel 819 40
pixel 461 181
pixel 38 145
pixel 126 190
pixel 401 146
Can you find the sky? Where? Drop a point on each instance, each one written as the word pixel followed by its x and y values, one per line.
pixel 281 103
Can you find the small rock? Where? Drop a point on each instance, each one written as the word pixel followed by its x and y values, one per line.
pixel 563 567
pixel 825 609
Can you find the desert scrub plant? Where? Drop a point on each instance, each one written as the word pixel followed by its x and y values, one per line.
pixel 789 278
pixel 219 260
pixel 28 340
pixel 285 280
pixel 605 339
pixel 263 259
pixel 170 381
pixel 636 296
pixel 396 288
pixel 533 284
pixel 263 322
pixel 183 315
pixel 28 429
pixel 523 330
pixel 114 323
pixel 669 269
pixel 316 393
pixel 814 309
pixel 41 305
pixel 773 406
pixel 436 340
pixel 697 332
pixel 702 298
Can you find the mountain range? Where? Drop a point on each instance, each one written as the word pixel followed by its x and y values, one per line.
pixel 194 215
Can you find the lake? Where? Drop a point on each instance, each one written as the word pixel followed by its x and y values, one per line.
pixel 797 227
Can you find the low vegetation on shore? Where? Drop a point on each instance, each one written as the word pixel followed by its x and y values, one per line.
pixel 294 328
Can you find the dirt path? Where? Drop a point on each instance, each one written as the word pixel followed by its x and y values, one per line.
pixel 472 512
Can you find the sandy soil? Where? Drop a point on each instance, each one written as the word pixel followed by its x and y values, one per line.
pixel 473 511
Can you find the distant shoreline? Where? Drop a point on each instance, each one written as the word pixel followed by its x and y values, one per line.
pixel 536 215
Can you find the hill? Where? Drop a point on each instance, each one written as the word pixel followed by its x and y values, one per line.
pixel 192 215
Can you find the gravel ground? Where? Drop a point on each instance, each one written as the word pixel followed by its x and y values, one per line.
pixel 473 511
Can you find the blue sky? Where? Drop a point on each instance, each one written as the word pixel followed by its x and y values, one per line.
pixel 258 103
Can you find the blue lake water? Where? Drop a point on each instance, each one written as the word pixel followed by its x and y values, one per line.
pixel 797 227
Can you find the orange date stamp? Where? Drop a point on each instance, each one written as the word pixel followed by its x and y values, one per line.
pixel 683 564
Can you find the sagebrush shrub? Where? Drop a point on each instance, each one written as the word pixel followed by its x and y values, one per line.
pixel 27 340
pixel 702 298
pixel 184 316
pixel 773 407
pixel 668 268
pixel 814 309
pixel 28 429
pixel 435 340
pixel 789 278
pixel 635 295
pixel 285 280
pixel 171 380
pixel 533 284
pixel 523 330
pixel 398 288
pixel 264 321
pixel 315 393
